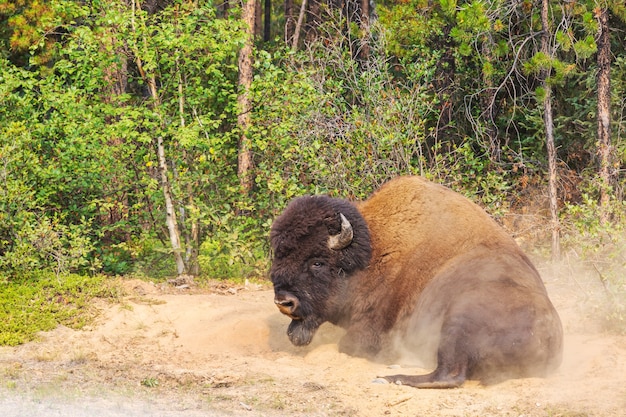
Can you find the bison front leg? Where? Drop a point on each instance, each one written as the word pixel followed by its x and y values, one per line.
pixel 360 342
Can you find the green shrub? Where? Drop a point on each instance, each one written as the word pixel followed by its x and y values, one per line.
pixel 44 243
pixel 238 248
pixel 145 256
pixel 601 246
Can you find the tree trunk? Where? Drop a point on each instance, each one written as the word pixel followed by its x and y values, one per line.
pixel 549 130
pixel 552 173
pixel 313 20
pixel 245 162
pixel 298 28
pixel 267 23
pixel 364 52
pixel 223 8
pixel 604 114
pixel 365 11
pixel 290 22
pixel 258 19
pixel 170 213
pixel 191 233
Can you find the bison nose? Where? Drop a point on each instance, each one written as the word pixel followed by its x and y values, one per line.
pixel 287 304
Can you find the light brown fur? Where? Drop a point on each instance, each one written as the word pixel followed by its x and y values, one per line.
pixel 432 248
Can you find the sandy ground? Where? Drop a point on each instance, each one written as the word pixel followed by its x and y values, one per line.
pixel 223 351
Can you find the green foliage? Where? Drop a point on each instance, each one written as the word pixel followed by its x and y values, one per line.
pixel 28 28
pixel 150 382
pixel 461 168
pixel 52 172
pixel 82 162
pixel 587 232
pixel 446 92
pixel 49 245
pixel 412 36
pixel 586 47
pixel 343 137
pixel 234 249
pixel 600 245
pixel 448 6
pixel 145 257
pixel 471 21
pixel 40 302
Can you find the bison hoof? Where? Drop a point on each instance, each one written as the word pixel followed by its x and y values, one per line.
pixel 380 380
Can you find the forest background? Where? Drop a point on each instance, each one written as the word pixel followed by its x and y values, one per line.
pixel 160 138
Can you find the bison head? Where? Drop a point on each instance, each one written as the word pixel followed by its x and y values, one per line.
pixel 318 243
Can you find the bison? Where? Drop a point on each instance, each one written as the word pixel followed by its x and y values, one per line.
pixel 415 268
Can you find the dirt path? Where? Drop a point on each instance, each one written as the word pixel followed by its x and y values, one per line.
pixel 171 352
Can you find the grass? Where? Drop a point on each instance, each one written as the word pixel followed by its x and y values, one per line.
pixel 150 382
pixel 41 303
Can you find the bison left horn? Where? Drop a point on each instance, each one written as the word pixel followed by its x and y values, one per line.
pixel 344 238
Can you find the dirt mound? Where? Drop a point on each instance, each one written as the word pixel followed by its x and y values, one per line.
pixel 224 351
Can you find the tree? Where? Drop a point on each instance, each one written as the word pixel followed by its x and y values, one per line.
pixel 150 79
pixel 190 66
pixel 290 23
pixel 546 49
pixel 267 20
pixel 245 161
pixel 298 26
pixel 604 148
pixel 22 24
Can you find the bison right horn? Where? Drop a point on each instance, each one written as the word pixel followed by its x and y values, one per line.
pixel 344 238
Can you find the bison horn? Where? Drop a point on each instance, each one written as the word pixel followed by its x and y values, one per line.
pixel 344 238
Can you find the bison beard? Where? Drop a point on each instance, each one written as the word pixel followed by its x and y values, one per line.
pixel 301 332
pixel 421 264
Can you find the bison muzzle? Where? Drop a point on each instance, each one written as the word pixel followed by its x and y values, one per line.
pixel 418 269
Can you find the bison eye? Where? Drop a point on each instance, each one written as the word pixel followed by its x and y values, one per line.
pixel 317 264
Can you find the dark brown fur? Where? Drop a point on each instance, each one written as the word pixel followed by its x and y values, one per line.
pixel 427 272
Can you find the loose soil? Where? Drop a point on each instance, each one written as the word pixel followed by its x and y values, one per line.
pixel 223 350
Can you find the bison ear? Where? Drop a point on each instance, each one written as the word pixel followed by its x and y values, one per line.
pixel 344 238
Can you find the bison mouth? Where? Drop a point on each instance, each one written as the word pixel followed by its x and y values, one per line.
pixel 288 311
pixel 288 304
pixel 303 325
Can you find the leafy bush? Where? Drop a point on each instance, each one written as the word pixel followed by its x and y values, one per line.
pixel 471 174
pixel 337 125
pixel 602 246
pixel 235 249
pixel 145 257
pixel 45 244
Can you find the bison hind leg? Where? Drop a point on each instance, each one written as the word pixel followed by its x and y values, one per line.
pixel 438 379
pixel 431 380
